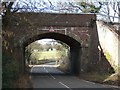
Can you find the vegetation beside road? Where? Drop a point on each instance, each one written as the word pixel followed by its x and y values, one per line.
pixel 36 52
pixel 43 55
pixel 100 78
pixel 9 71
pixel 11 77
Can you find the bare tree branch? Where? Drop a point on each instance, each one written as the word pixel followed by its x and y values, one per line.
pixel 75 6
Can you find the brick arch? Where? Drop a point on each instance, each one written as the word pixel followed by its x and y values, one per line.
pixel 75 47
pixel 81 27
pixel 69 40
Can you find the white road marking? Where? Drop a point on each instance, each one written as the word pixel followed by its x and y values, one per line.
pixel 32 68
pixel 65 85
pixel 52 76
pixel 49 73
pixel 88 82
pixel 44 65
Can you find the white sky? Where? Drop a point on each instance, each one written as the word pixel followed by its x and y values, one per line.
pixel 44 41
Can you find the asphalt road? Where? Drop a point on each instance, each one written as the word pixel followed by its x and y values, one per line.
pixel 47 76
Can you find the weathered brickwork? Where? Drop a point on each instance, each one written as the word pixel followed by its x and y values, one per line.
pixel 77 30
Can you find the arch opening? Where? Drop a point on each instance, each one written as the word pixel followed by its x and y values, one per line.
pixel 74 49
pixel 48 53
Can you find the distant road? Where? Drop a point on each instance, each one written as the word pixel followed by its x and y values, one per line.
pixel 48 77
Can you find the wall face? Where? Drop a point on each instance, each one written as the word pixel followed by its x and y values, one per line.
pixel 110 43
pixel 27 27
pixel 47 19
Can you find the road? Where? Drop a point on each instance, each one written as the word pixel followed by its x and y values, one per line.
pixel 48 76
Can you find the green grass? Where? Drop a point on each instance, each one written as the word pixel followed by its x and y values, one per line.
pixel 108 57
pixel 48 55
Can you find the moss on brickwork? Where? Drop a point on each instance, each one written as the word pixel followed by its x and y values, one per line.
pixel 108 57
pixel 10 71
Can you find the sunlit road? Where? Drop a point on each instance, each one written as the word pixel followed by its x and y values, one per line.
pixel 47 76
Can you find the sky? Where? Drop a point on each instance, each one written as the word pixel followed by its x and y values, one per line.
pixel 44 41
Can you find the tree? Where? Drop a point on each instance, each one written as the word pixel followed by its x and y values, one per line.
pixel 6 11
pixel 58 47
pixel 61 46
pixel 47 46
pixel 36 45
pixel 30 50
pixel 110 11
pixel 86 7
pixel 107 11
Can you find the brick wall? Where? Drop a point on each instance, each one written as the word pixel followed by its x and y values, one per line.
pixel 81 35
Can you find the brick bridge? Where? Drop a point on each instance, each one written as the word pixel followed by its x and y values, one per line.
pixel 79 31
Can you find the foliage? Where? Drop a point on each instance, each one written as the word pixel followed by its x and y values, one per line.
pixel 89 7
pixel 63 45
pixel 9 65
pixel 30 50
pixel 6 11
pixel 35 46
pixel 48 51
pixel 43 55
pixel 58 46
pixel 47 46
pixel 10 71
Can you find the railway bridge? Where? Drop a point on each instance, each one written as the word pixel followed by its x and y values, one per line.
pixel 79 31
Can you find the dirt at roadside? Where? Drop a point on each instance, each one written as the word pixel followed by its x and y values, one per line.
pixel 23 82
pixel 101 78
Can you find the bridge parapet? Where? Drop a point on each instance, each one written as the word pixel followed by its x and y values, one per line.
pixel 48 19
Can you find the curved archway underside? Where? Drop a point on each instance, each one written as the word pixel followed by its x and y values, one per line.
pixel 75 48
pixel 64 38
